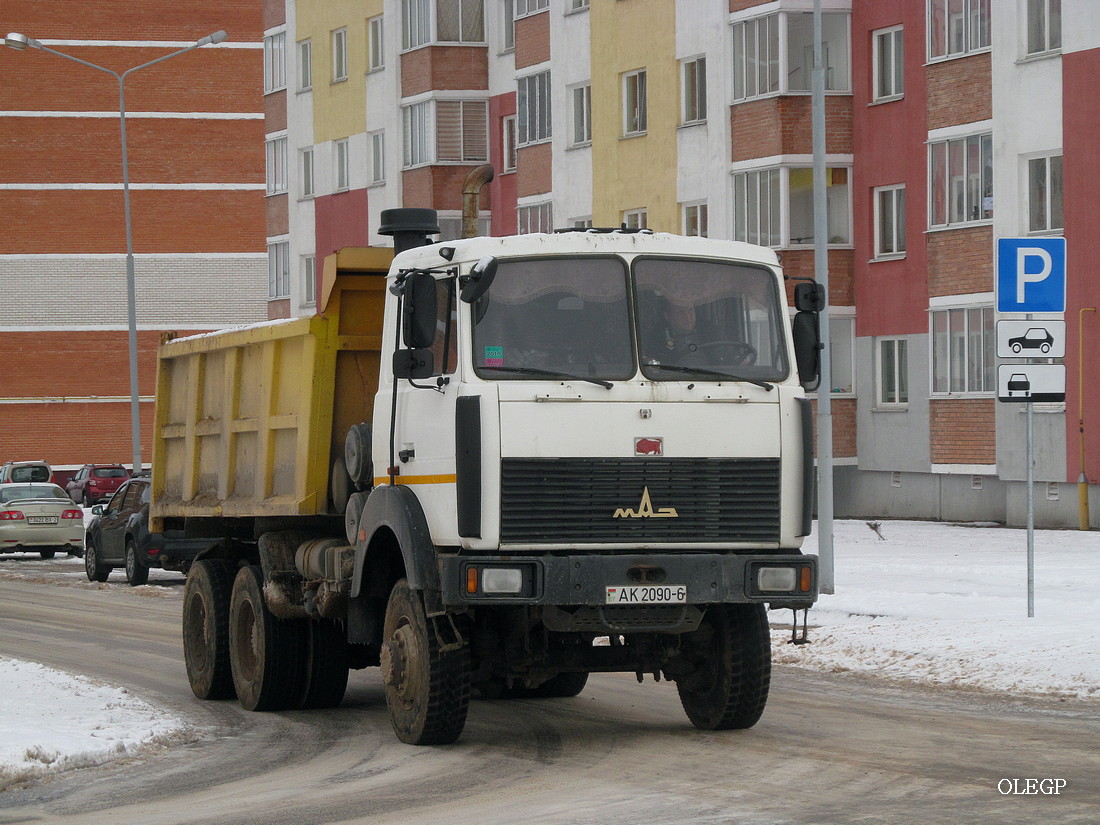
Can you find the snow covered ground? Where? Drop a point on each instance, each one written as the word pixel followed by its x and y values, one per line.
pixel 941 604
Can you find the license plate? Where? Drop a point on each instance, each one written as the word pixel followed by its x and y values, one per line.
pixel 648 594
pixel 41 519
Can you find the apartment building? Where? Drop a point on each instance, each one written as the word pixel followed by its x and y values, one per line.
pixel 949 124
pixel 195 161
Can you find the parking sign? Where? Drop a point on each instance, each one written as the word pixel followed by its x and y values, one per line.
pixel 1031 275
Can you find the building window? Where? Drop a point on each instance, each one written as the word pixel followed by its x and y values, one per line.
pixel 306 156
pixel 582 114
pixel 278 270
pixel 508 143
pixel 462 131
pixel 533 109
pixel 343 171
pixel 276 165
pixel 800 211
pixel 460 21
pixel 888 64
pixel 339 55
pixel 416 23
pixel 537 217
pixel 450 227
pixel 417 132
pixel 526 7
pixel 274 62
pixel 893 371
pixel 636 219
pixel 1044 26
pixel 1044 180
pixel 842 355
pixel 377 157
pixel 695 90
pixel 581 223
pixel 634 103
pixel 695 220
pixel 309 279
pixel 889 221
pixel 775 54
pixel 963 348
pixel 756 207
pixel 957 27
pixel 961 180
pixel 305 65
pixel 578 5
pixel 775 207
pixel 377 44
pixel 509 25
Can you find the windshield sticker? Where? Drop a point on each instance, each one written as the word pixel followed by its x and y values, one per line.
pixel 494 356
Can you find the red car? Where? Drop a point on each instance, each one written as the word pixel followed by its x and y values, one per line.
pixel 96 482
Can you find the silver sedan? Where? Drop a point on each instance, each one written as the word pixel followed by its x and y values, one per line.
pixel 39 518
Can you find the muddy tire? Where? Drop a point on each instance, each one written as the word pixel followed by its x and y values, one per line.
pixel 731 651
pixel 266 654
pixel 95 569
pixel 427 688
pixel 326 672
pixel 206 598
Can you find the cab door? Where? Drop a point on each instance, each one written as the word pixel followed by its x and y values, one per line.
pixel 112 523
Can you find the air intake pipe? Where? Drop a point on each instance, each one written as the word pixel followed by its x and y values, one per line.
pixel 471 192
pixel 409 227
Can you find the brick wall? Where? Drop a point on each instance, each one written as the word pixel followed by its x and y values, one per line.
pixel 444 67
pixel 959 91
pixel 963 430
pixel 534 172
pixel 438 187
pixel 146 20
pixel 844 427
pixel 275 111
pixel 960 261
pixel 278 218
pixel 74 433
pixel 782 125
pixel 800 263
pixel 532 40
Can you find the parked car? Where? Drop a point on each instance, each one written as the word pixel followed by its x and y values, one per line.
pixel 26 472
pixel 94 483
pixel 118 536
pixel 39 518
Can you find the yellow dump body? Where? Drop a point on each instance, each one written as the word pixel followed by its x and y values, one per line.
pixel 249 420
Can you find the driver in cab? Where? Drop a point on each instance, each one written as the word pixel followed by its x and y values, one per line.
pixel 678 337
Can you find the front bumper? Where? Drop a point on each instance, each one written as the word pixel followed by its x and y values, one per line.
pixel 709 578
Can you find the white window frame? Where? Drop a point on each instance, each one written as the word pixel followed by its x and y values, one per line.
pixel 339 42
pixel 578 5
pixel 955 332
pixel 533 109
pixel 693 74
pixel 274 62
pixel 472 128
pixel 460 10
pixel 842 351
pixel 341 165
pixel 967 198
pixel 509 145
pixel 525 8
pixel 309 180
pixel 1043 29
pixel 765 62
pixel 963 33
pixel 889 206
pixel 892 356
pixel 275 150
pixel 305 65
pixel 534 217
pixel 636 218
pixel 696 217
pixel 635 113
pixel 888 64
pixel 416 122
pixel 278 269
pixel 762 204
pixel 376 39
pixel 377 145
pixel 308 270
pixel 580 111
pixel 508 29
pixel 416 24
pixel 1045 204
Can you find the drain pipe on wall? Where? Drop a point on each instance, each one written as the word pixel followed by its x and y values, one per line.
pixel 471 193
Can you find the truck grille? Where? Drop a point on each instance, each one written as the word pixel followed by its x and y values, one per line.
pixel 559 500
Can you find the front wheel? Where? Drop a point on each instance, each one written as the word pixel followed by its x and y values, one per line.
pixel 731 652
pixel 94 568
pixel 427 687
pixel 137 573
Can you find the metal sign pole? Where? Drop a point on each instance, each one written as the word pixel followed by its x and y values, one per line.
pixel 1030 516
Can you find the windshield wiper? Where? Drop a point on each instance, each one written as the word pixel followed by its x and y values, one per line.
pixel 713 374
pixel 550 374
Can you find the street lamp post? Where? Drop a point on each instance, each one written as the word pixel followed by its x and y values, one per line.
pixel 19 42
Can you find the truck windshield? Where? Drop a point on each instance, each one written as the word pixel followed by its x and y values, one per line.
pixel 572 317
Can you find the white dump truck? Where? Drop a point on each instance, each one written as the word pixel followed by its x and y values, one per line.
pixel 494 466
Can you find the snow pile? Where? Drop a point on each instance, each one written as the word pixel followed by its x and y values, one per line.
pixel 55 721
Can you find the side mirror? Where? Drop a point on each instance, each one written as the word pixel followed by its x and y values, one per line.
pixel 97 510
pixel 479 280
pixel 809 296
pixel 419 311
pixel 413 363
pixel 807 347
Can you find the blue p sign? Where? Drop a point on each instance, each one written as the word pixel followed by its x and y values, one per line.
pixel 1031 275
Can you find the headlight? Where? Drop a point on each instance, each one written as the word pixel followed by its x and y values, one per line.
pixel 776 579
pixel 495 580
pixel 507 580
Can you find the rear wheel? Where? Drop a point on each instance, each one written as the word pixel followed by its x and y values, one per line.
pixel 326 671
pixel 137 573
pixel 206 628
pixel 47 554
pixel 95 569
pixel 731 652
pixel 427 687
pixel 267 654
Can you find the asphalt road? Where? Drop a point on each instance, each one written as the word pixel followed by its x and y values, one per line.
pixel 830 748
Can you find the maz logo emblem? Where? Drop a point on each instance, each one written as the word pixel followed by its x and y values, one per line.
pixel 645 510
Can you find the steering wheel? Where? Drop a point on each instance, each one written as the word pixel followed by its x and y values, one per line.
pixel 738 353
